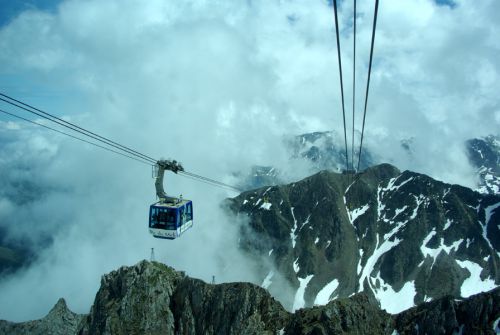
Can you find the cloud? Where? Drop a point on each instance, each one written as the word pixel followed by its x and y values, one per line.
pixel 215 85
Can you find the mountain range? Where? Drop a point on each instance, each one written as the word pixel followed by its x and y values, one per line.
pixel 325 151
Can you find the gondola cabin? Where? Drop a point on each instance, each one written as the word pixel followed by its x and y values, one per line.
pixel 169 220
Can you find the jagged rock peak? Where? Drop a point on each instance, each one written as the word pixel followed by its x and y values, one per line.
pixel 59 307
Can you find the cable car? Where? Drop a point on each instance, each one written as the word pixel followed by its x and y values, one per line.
pixel 169 220
pixel 170 217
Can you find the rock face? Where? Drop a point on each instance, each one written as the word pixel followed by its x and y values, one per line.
pixel 479 314
pixel 398 236
pixel 134 300
pixel 356 315
pixel 151 298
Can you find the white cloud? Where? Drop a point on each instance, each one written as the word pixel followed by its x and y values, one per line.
pixel 215 85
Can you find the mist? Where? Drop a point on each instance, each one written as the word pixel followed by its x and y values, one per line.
pixel 215 85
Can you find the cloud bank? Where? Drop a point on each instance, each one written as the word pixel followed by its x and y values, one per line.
pixel 215 85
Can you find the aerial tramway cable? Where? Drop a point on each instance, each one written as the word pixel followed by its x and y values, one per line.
pixel 353 84
pixel 72 136
pixel 368 80
pixel 341 81
pixel 71 126
pixel 125 151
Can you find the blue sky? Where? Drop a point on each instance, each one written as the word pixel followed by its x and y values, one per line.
pixel 12 8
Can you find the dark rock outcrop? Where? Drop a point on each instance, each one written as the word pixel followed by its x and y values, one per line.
pixel 476 315
pixel 356 315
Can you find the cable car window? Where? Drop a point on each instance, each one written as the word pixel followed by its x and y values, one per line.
pixel 182 215
pixel 169 218
pixel 154 222
pixel 189 212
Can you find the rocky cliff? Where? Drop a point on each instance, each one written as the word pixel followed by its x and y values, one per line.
pixel 151 298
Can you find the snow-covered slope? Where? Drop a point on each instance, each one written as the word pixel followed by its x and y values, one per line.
pixel 402 237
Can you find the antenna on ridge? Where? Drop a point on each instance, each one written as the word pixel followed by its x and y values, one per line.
pixel 152 255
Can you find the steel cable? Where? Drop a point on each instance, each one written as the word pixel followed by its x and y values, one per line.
pixel 368 80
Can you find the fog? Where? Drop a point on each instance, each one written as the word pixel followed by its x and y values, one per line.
pixel 215 85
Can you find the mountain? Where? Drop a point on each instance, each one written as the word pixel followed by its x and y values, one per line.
pixel 403 238
pixel 151 298
pixel 320 149
pixel 484 155
pixel 326 150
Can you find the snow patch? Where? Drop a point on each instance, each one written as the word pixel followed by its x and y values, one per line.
pixel 267 281
pixel 399 211
pixel 372 260
pixel 299 301
pixel 419 200
pixel 245 201
pixel 296 266
pixel 474 284
pixel 433 253
pixel 324 294
pixel 305 222
pixel 316 240
pixel 357 212
pixel 270 252
pixel 266 205
pixel 394 302
pixel 488 212
pixel 360 259
pixel 447 224
pixel 391 185
pixel 294 229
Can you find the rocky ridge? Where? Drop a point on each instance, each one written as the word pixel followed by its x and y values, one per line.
pixel 151 298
